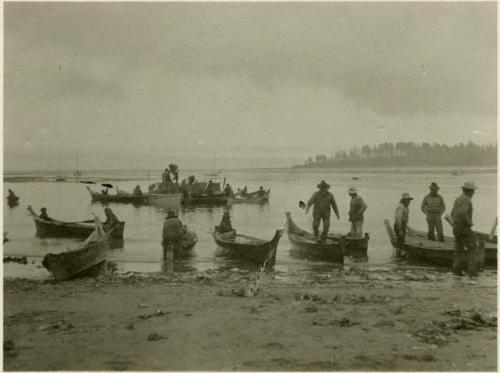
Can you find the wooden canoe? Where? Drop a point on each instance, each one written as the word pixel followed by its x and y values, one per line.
pixel 306 246
pixel 490 243
pixel 250 198
pixel 59 228
pixel 117 198
pixel 418 247
pixel 248 249
pixel 87 255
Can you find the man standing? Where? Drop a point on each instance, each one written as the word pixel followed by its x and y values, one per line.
pixel 172 234
pixel 322 200
pixel 401 217
pixel 433 207
pixel 465 240
pixel 356 212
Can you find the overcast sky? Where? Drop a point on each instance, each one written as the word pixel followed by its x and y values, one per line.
pixel 138 85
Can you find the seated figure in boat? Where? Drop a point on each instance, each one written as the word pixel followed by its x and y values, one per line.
pixel 12 196
pixel 401 218
pixel 228 191
pixel 261 192
pixel 225 226
pixel 111 220
pixel 165 177
pixel 104 192
pixel 137 191
pixel 43 214
pixel 173 232
pixel 210 188
pixel 244 191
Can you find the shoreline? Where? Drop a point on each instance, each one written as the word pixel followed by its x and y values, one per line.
pixel 338 320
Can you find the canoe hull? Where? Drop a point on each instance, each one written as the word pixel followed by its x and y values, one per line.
pixel 164 200
pixel 418 247
pixel 253 253
pixel 76 230
pixel 305 246
pixel 117 198
pixel 251 199
pixel 70 264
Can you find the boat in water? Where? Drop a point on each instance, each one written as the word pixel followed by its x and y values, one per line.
pixel 307 246
pixel 59 228
pixel 252 198
pixel 246 248
pixel 83 258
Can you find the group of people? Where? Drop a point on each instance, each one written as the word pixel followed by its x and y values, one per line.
pixel 433 207
pixel 322 202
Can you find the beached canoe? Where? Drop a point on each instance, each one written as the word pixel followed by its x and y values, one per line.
pixel 59 228
pixel 418 247
pixel 89 254
pixel 305 245
pixel 247 248
pixel 250 198
pixel 117 198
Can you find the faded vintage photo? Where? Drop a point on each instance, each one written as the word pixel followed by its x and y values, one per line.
pixel 250 186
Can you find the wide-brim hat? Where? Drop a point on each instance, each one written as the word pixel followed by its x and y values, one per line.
pixel 406 196
pixel 352 190
pixel 469 185
pixel 323 184
pixel 433 186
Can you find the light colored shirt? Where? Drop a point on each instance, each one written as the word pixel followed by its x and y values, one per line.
pixel 433 205
pixel 462 211
pixel 401 216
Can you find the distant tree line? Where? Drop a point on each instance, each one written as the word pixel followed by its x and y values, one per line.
pixel 408 154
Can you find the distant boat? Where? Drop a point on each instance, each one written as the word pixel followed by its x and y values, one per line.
pixel 59 177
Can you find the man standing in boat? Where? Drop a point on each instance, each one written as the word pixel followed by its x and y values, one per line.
pixel 322 200
pixel 433 207
pixel 465 240
pixel 401 218
pixel 356 213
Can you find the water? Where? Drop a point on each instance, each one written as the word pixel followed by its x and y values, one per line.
pixel 142 250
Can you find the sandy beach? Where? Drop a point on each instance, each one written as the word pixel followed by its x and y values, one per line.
pixel 347 320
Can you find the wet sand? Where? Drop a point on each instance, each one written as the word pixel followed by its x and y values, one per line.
pixel 346 320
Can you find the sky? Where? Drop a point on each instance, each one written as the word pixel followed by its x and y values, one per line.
pixel 141 85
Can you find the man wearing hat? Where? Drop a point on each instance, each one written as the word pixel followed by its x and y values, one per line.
pixel 433 207
pixel 465 240
pixel 401 217
pixel 322 200
pixel 172 233
pixel 356 210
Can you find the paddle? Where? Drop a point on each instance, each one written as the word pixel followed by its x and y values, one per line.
pixel 107 185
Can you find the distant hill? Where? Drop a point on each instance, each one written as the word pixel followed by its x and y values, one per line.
pixel 407 154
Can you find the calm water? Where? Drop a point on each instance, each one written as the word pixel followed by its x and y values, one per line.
pixel 142 250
